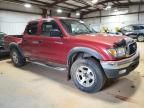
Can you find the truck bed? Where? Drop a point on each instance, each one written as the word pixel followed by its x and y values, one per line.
pixel 12 38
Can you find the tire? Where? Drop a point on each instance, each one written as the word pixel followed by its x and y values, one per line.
pixel 16 57
pixel 93 81
pixel 140 38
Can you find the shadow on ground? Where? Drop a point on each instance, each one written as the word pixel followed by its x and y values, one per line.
pixel 115 92
pixel 4 57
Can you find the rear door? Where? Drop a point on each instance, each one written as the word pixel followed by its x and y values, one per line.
pixel 31 40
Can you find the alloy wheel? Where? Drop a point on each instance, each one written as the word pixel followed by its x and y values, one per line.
pixel 85 76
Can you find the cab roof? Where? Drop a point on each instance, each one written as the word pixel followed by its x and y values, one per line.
pixel 51 18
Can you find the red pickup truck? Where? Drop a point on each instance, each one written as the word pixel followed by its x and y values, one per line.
pixel 90 58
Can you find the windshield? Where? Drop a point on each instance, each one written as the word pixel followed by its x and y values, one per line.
pixel 75 27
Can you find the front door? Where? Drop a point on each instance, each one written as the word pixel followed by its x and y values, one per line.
pixel 51 47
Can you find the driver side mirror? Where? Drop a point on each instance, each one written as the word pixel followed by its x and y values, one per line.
pixel 55 33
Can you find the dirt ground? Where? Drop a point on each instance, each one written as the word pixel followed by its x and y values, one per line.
pixel 34 86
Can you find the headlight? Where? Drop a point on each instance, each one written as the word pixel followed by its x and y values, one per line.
pixel 117 52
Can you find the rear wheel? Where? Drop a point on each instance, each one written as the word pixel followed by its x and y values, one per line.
pixel 17 59
pixel 140 38
pixel 87 75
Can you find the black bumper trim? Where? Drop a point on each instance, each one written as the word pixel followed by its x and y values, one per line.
pixel 114 73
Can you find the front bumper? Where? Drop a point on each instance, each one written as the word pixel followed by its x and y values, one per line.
pixel 115 69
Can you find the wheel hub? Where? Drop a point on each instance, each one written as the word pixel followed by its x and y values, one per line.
pixel 85 76
pixel 15 57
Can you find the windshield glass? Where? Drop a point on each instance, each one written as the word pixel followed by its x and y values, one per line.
pixel 75 27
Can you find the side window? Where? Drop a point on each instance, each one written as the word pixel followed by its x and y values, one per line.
pixel 32 28
pixel 136 27
pixel 47 27
pixel 141 27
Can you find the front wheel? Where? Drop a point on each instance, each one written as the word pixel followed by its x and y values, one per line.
pixel 88 75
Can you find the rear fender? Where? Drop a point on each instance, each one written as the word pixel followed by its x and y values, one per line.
pixel 15 46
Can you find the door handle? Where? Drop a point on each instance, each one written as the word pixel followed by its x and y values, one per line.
pixel 58 42
pixel 37 42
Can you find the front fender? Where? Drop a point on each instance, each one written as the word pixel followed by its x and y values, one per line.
pixel 89 51
pixel 75 50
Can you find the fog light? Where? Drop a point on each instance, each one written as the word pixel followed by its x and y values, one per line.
pixel 122 71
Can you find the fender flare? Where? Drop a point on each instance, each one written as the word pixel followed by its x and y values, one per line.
pixel 16 46
pixel 74 50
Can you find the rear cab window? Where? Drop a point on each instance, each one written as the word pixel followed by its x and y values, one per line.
pixel 32 28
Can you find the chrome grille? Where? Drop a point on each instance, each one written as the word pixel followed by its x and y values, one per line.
pixel 132 48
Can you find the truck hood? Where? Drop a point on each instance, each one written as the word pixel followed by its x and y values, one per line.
pixel 102 38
